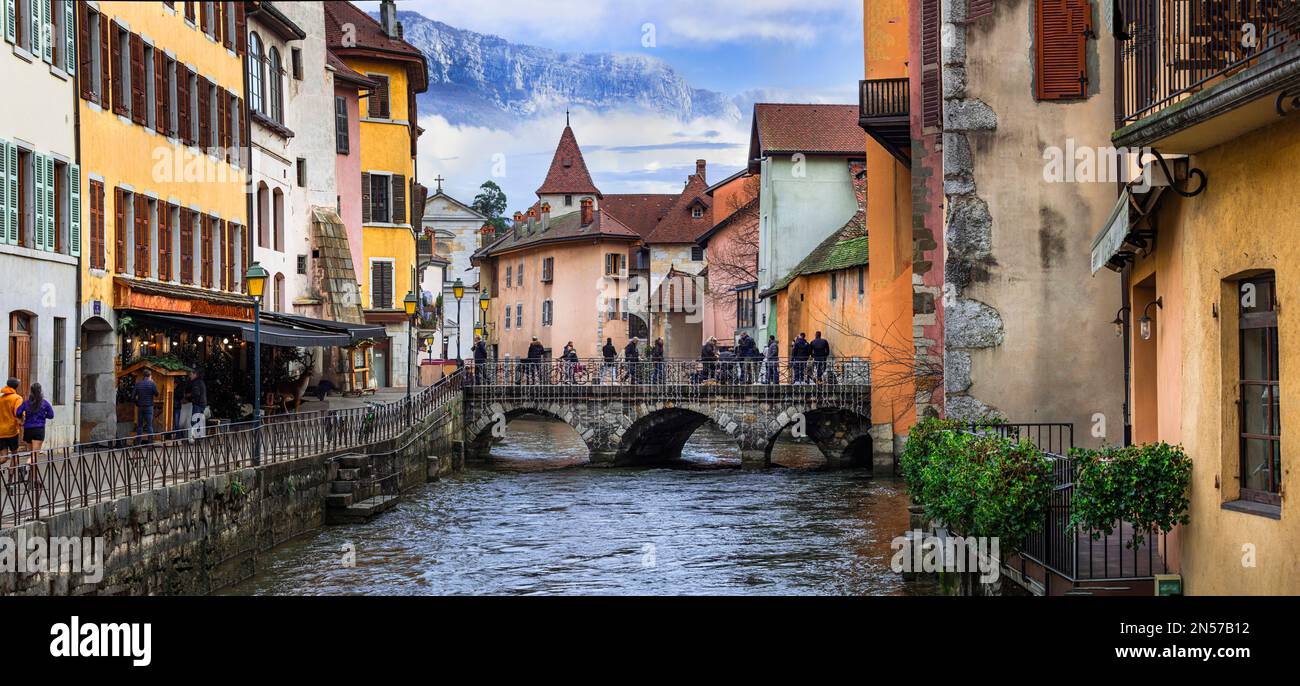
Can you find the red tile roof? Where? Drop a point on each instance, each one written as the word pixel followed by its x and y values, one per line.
pixel 826 129
pixel 568 173
pixel 639 211
pixel 678 225
pixel 342 72
pixel 564 227
pixel 370 38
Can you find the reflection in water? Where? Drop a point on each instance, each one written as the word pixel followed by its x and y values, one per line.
pixel 523 526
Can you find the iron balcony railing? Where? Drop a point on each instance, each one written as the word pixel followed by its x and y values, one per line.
pixel 883 98
pixel 1076 555
pixel 51 481
pixel 1170 49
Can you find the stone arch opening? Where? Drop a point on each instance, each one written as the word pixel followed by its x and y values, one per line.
pixel 558 448
pixel 842 436
pixel 659 437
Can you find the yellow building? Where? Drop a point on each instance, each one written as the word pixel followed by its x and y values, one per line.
pixel 1205 245
pixel 390 196
pixel 161 125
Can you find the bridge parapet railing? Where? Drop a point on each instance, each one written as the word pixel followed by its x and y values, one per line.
pixel 44 483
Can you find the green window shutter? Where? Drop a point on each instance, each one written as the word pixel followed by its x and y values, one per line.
pixel 11 20
pixel 70 31
pixel 47 39
pixel 37 20
pixel 4 191
pixel 51 212
pixel 12 238
pixel 38 188
pixel 74 210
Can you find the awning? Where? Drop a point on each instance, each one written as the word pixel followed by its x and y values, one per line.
pixel 1123 235
pixel 355 332
pixel 272 333
pixel 1108 243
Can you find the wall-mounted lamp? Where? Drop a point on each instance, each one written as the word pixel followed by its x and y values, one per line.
pixel 1144 324
pixel 1119 320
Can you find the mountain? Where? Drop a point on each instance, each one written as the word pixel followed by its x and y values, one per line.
pixel 484 80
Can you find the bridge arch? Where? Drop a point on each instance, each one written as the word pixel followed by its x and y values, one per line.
pixel 843 435
pixel 480 428
pixel 659 433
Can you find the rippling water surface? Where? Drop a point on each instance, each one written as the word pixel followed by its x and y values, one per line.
pixel 533 523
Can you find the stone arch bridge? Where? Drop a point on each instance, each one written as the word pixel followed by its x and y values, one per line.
pixel 649 424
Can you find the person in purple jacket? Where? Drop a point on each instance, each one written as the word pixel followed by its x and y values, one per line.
pixel 34 412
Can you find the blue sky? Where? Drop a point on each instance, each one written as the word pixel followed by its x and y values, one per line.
pixel 787 50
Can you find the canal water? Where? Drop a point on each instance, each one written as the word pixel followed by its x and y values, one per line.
pixel 535 522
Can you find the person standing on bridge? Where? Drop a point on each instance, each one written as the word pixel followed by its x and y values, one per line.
pixel 632 356
pixel 10 428
pixel 709 356
pixel 534 361
pixel 480 360
pixel 610 355
pixel 657 359
pixel 570 357
pixel 145 391
pixel 773 356
pixel 799 358
pixel 821 352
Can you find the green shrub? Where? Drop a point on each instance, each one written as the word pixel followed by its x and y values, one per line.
pixel 921 441
pixel 1144 485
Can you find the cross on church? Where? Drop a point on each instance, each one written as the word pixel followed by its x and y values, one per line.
pixel 439 179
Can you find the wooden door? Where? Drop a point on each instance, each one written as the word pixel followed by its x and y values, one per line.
pixel 20 351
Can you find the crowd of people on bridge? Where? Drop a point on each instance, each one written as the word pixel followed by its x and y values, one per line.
pixel 808 363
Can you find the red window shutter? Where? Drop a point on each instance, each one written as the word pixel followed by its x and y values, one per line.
pixel 85 59
pixel 365 197
pixel 138 88
pixel 1062 70
pixel 119 231
pixel 203 16
pixel 930 27
pixel 241 29
pixel 119 79
pixel 187 247
pixel 105 58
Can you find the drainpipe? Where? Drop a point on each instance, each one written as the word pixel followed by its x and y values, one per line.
pixel 1126 302
pixel 76 307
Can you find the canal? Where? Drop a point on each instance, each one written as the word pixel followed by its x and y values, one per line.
pixel 535 522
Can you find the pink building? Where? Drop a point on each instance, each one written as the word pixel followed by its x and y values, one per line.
pixel 348 85
pixel 731 251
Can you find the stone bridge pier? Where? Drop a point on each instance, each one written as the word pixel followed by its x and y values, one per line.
pixel 621 430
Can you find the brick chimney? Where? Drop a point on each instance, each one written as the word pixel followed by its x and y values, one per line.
pixel 388 18
pixel 546 216
pixel 586 211
pixel 699 169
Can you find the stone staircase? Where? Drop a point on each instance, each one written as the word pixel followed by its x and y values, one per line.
pixel 357 494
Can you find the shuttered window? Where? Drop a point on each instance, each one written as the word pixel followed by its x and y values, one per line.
pixel 138 87
pixel 378 100
pixel 931 80
pixel 164 241
pixel 186 247
pixel 1062 30
pixel 184 130
pixel 140 238
pixel 121 226
pixel 204 113
pixel 381 285
pixel 399 198
pixel 341 144
pixel 205 255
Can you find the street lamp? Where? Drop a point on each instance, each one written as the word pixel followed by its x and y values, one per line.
pixel 409 302
pixel 256 280
pixel 1144 324
pixel 458 290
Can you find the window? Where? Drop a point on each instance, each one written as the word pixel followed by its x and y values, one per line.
pixel 302 264
pixel 548 269
pixel 302 172
pixel 521 273
pixel 25 190
pixel 55 49
pixel 121 54
pixel 381 285
pixel 165 247
pixel 1259 388
pixel 277 205
pixel 20 21
pixel 341 145
pixel 151 95
pixel 377 103
pixel 275 80
pixel 255 94
pixel 862 280
pixel 96 224
pixel 90 41
pixel 296 58
pixel 507 317
pixel 205 255
pixel 745 307
pixel 697 253
pixel 60 361
pixel 172 125
pixel 213 138
pixel 835 291
pixel 519 315
pixel 510 278
pixel 615 264
pixel 379 194
pixel 697 212
pixel 568 201
pixel 188 220
pixel 548 312
pixel 1062 29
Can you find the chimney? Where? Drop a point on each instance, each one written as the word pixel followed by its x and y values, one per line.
pixel 532 220
pixel 586 212
pixel 388 17
pixel 546 216
pixel 519 224
pixel 699 169
pixel 401 35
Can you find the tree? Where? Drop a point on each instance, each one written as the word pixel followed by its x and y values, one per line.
pixel 491 202
pixel 734 262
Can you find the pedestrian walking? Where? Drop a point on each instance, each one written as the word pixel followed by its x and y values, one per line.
pixel 34 412
pixel 198 404
pixel 610 355
pixel 799 353
pixel 821 352
pixel 145 391
pixel 10 427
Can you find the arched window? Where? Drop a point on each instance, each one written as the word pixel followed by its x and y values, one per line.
pixel 278 209
pixel 273 76
pixel 255 72
pixel 263 217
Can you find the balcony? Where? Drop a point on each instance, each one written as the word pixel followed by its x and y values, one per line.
pixel 884 113
pixel 1185 62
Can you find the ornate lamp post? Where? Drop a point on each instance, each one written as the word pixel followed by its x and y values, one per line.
pixel 409 302
pixel 256 280
pixel 458 290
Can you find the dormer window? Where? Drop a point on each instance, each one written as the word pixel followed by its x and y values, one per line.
pixel 697 212
pixel 568 201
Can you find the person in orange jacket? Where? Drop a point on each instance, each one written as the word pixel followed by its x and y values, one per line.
pixel 11 427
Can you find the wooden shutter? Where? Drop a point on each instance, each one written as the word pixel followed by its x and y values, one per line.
pixel 241 29
pixel 119 231
pixel 365 197
pixel 164 241
pixel 86 56
pixel 205 250
pixel 138 87
pixel 218 23
pixel 189 11
pixel 187 247
pixel 204 114
pixel 38 188
pixel 381 285
pixel 227 11
pixel 931 78
pixel 118 78
pixel 203 16
pixel 186 132
pixel 398 196
pixel 142 253
pixel 223 121
pixel 105 63
pixel 378 101
pixel 159 90
pixel 96 189
pixel 11 20
pixel 74 210
pixel 1062 71
pixel 51 212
